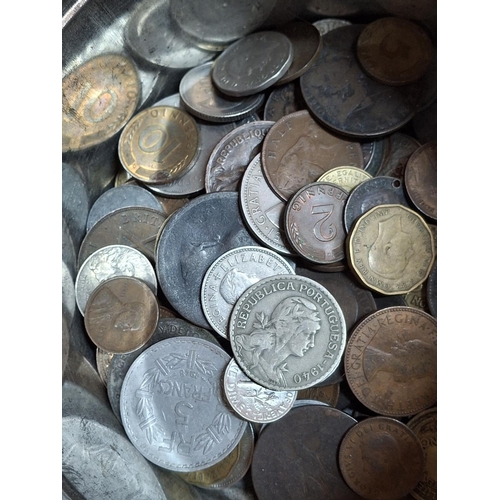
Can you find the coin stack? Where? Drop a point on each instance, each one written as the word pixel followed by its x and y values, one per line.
pixel 256 286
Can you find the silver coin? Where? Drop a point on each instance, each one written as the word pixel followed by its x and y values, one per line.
pixel 252 401
pixel 68 294
pixel 203 100
pixel 232 154
pixel 103 360
pixel 172 405
pixel 287 332
pixel 253 63
pixel 262 209
pixel 230 275
pixel 108 262
pixel 328 24
pixel 124 196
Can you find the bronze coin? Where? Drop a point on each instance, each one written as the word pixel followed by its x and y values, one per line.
pixel 390 361
pixel 98 99
pixel 314 222
pixel 421 179
pixel 381 459
pixel 401 147
pixel 121 315
pixel 159 144
pixel 328 394
pixel 297 151
pixel 394 51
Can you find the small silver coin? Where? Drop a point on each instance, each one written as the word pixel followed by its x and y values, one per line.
pixel 328 24
pixel 172 405
pixel 68 294
pixel 103 360
pixel 108 262
pixel 230 275
pixel 287 332
pixel 252 401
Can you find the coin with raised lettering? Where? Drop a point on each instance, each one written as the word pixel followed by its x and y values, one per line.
pixel 103 360
pixel 345 177
pixel 287 332
pixel 328 394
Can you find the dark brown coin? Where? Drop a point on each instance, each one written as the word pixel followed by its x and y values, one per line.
pixel 328 394
pixel 297 151
pixel 307 441
pixel 284 100
pixel 431 290
pixel 394 51
pixel 421 179
pixel 401 147
pixel 135 227
pixel 313 222
pixel 381 459
pixel 121 315
pixel 390 361
pixel 418 298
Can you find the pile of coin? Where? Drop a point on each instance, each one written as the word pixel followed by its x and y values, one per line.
pixel 258 283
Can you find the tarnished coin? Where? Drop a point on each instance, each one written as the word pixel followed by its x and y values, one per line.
pixel 159 144
pixel 287 332
pixel 203 100
pixel 121 314
pixel 252 401
pixel 330 23
pixel 297 151
pixel 328 394
pixel 232 154
pixel 110 261
pixel 252 63
pixel 103 360
pixel 431 290
pixel 421 179
pixel 262 209
pixel 390 361
pixel 424 425
pixel 417 298
pixel 307 441
pixel 133 226
pixel 381 459
pixel 313 222
pixel 401 147
pixel 345 177
pixel 284 100
pixel 172 405
pixel 98 99
pixel 375 154
pixel 391 249
pixel 394 51
pixel 230 275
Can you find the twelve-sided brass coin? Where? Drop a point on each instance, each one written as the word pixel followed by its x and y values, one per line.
pixel 159 144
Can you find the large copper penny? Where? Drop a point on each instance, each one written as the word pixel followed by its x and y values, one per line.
pixel 390 361
pixel 98 99
pixel 121 315
pixel 159 145
pixel 381 459
pixel 297 151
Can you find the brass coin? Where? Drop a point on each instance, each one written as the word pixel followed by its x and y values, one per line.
pixel 391 249
pixel 390 361
pixel 121 315
pixel 381 459
pixel 345 177
pixel 394 51
pixel 159 144
pixel 98 99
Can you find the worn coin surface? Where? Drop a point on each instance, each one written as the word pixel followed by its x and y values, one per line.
pixel 313 222
pixel 381 459
pixel 328 394
pixel 230 275
pixel 345 177
pixel 287 332
pixel 330 23
pixel 98 99
pixel 172 405
pixel 103 360
pixel 431 290
pixel 390 361
pixel 391 249
pixel 401 147
pixel 375 154
pixel 418 298
pixel 159 144
pixel 121 314
pixel 297 151
pixel 252 401
pixel 284 100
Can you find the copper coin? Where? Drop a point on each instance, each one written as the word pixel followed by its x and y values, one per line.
pixel 314 222
pixel 328 394
pixel 159 144
pixel 121 315
pixel 98 99
pixel 395 51
pixel 284 100
pixel 401 147
pixel 390 361
pixel 421 179
pixel 297 151
pixel 381 459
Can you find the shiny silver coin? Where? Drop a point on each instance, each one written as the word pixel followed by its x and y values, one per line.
pixel 172 405
pixel 108 262
pixel 252 401
pixel 230 275
pixel 253 63
pixel 68 294
pixel 328 24
pixel 287 332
